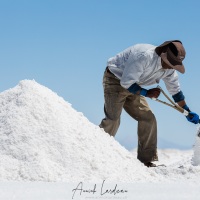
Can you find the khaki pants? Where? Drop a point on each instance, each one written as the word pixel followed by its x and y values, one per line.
pixel 116 98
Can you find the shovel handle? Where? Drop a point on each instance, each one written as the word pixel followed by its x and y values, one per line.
pixel 173 105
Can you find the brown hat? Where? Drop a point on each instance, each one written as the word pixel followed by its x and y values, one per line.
pixel 172 53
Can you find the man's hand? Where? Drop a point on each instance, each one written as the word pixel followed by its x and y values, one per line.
pixel 193 117
pixel 153 93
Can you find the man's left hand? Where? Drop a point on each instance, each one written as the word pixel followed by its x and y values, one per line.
pixel 193 118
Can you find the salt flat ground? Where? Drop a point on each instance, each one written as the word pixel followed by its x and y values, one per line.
pixel 176 188
pixel 63 191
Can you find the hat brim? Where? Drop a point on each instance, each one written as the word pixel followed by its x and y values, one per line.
pixel 179 68
pixel 159 49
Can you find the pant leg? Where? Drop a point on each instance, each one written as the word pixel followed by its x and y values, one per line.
pixel 137 107
pixel 114 95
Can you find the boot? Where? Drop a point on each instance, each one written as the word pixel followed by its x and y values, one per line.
pixel 150 164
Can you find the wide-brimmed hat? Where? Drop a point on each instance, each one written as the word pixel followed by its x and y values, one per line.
pixel 172 53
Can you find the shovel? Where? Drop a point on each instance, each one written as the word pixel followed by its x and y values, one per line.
pixel 173 105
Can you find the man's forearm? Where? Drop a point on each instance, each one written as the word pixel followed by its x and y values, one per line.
pixel 181 103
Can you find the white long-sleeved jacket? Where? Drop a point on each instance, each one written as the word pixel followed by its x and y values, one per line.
pixel 140 64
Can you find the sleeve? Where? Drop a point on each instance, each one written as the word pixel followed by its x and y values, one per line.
pixel 172 82
pixel 134 68
pixel 178 97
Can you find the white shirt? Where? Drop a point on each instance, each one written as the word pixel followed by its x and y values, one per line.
pixel 140 64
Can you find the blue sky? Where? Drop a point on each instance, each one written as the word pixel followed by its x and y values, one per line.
pixel 65 45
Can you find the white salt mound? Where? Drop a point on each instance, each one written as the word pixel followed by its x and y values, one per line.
pixel 44 139
pixel 196 156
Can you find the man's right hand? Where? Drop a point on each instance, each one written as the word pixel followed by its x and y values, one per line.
pixel 153 93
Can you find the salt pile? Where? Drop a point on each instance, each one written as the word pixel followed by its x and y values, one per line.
pixel 44 139
pixel 196 156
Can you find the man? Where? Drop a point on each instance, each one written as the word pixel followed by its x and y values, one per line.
pixel 124 80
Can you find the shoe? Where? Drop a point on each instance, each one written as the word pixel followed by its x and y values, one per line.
pixel 150 164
